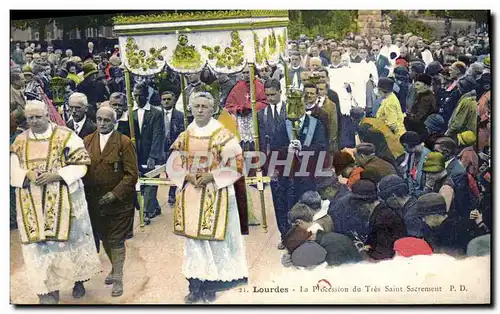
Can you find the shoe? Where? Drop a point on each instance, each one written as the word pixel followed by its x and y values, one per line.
pixel 151 215
pixel 117 288
pixel 109 278
pixel 157 212
pixel 78 290
pixel 281 246
pixel 193 297
pixel 171 200
pixel 208 296
pixel 129 236
pixel 147 221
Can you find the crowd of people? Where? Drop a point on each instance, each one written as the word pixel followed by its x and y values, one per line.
pixel 410 171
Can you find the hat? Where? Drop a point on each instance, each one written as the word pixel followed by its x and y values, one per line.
pixel 364 190
pixel 385 84
pixel 115 61
pixel 434 162
pixel 467 138
pixel 479 246
pixel 392 184
pixel 486 62
pixel 430 204
pixel 410 246
pixel 410 138
pixel 357 113
pixel 400 71
pixel 424 78
pixel 417 67
pixel 435 123
pixel 309 253
pixel 476 68
pixel 467 84
pixel 88 68
pixel 434 68
pixel 341 161
pixel 447 142
pixel 365 149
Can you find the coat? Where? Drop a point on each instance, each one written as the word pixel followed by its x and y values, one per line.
pixel 267 127
pixel 150 142
pixel 94 88
pixel 386 142
pixel 390 113
pixel 333 124
pixel 385 228
pixel 239 98
pixel 463 199
pixel 112 170
pixel 417 184
pixel 464 116
pixel 382 167
pixel 425 105
pixel 88 127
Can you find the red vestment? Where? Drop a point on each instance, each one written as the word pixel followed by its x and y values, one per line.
pixel 239 98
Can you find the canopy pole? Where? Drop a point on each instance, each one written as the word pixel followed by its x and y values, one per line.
pixel 184 100
pixel 260 185
pixel 130 103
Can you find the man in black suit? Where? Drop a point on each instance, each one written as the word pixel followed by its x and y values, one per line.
pixel 270 117
pixel 78 106
pixel 289 186
pixel 118 101
pixel 174 125
pixel 149 129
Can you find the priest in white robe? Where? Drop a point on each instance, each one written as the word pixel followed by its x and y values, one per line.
pixel 47 163
pixel 206 161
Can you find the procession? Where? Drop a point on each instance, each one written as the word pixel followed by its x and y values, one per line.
pixel 201 152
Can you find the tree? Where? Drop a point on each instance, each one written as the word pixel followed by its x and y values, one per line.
pixel 81 23
pixel 329 24
pixel 37 24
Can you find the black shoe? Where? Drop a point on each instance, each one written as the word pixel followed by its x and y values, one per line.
pixel 78 290
pixel 171 200
pixel 150 215
pixel 208 296
pixel 281 246
pixel 157 212
pixel 193 297
pixel 147 221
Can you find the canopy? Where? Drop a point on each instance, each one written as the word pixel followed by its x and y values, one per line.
pixel 187 42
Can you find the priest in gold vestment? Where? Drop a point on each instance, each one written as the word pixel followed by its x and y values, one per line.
pixel 47 163
pixel 205 163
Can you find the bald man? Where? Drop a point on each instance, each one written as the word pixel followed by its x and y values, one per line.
pixel 110 190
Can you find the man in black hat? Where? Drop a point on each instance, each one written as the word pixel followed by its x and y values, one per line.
pixel 425 104
pixel 390 109
pixel 365 158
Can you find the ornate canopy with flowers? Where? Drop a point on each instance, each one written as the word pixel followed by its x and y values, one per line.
pixel 187 42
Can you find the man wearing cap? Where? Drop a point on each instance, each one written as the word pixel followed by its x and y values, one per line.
pixel 414 160
pixel 437 179
pixel 390 109
pixel 425 103
pixel 365 158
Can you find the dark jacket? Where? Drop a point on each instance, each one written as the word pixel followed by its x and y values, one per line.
pixel 425 105
pixel 88 128
pixel 124 128
pixel 150 143
pixel 267 126
pixel 347 218
pixel 382 167
pixel 281 141
pixel 176 128
pixel 452 236
pixel 334 97
pixel 462 201
pixel 385 228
